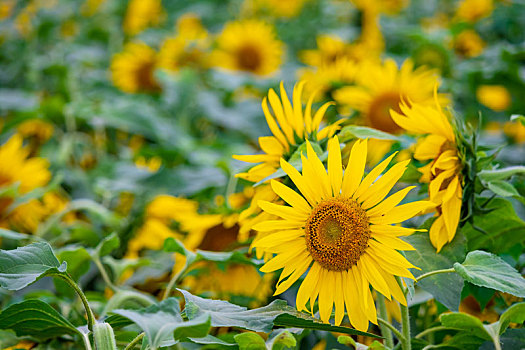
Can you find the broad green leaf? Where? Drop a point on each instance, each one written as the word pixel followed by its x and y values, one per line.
pixel 210 339
pixel 500 174
pixel 464 322
pixel 35 318
pixel 502 188
pixel 502 228
pixel 283 339
pixel 277 313
pixel 128 299
pixel 488 270
pixel 514 314
pixel 250 341
pixel 16 235
pixel 446 288
pixel 161 323
pixel 362 132
pixel 107 245
pixel 22 266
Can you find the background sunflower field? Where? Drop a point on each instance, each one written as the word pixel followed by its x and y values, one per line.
pixel 262 174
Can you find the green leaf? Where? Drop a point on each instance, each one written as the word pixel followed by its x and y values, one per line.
pixel 16 236
pixel 161 323
pixel 35 318
pixel 446 288
pixel 500 174
pixel 502 228
pixel 502 188
pixel 465 322
pixel 210 339
pixel 515 314
pixel 488 270
pixel 250 341
pixel 362 132
pixel 278 313
pixel 518 117
pixel 283 339
pixel 22 266
pixel 107 245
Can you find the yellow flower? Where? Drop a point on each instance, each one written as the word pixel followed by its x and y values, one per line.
pixel 290 127
pixel 249 46
pixel 187 48
pixel 141 14
pixel 339 229
pixel 474 10
pixel 90 7
pixel 18 169
pixel 6 8
pixel 443 173
pixel 277 8
pixel 36 128
pixel 382 6
pixel 329 77
pixel 329 49
pixel 495 97
pixel 23 345
pixel 152 165
pixel 132 70
pixel 468 44
pixel 515 130
pixel 382 87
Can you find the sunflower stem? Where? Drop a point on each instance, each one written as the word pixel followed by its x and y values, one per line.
pixel 390 328
pixel 431 330
pixel 135 341
pixel 436 272
pixel 385 330
pixel 405 321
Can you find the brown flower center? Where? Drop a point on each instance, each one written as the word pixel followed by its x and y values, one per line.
pixel 249 58
pixel 379 112
pixel 337 233
pixel 146 80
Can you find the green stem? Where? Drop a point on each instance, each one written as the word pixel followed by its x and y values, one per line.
pixel 104 274
pixel 432 273
pixel 135 341
pixel 385 330
pixel 431 330
pixel 405 321
pixel 390 327
pixel 89 313
pixel 172 282
pixel 85 339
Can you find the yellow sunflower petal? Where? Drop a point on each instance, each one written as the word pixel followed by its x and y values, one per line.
pixel 402 212
pixel 335 166
pixel 355 168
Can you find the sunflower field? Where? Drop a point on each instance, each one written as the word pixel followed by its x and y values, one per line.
pixel 262 174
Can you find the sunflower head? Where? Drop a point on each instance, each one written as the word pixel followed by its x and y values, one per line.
pixel 383 87
pixel 133 69
pixel 141 14
pixel 338 229
pixel 248 46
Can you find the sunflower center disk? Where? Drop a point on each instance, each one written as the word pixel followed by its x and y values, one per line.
pixel 379 112
pixel 337 233
pixel 249 58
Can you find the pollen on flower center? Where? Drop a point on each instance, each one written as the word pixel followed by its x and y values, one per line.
pixel 379 113
pixel 337 233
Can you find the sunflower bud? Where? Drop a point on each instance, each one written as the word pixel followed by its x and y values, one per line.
pixel 104 337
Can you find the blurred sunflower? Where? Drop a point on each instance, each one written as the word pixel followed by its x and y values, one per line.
pixel 474 10
pixel 132 70
pixel 37 129
pixel 329 49
pixel 6 8
pixel 339 229
pixel 290 128
pixel 277 8
pixel 443 173
pixel 25 174
pixel 329 77
pixel 495 97
pixel 515 130
pixel 141 14
pixel 382 87
pixel 468 44
pixel 249 46
pixel 187 48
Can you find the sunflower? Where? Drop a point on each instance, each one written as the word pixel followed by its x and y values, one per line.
pixel 141 14
pixel 132 70
pixel 381 87
pixel 26 174
pixel 495 97
pixel 249 46
pixel 468 44
pixel 329 49
pixel 277 8
pixel 290 127
pixel 187 48
pixel 474 10
pixel 339 229
pixel 443 173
